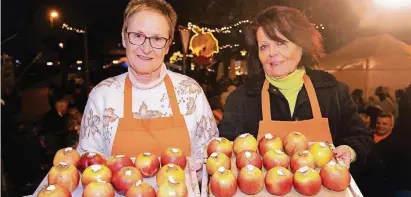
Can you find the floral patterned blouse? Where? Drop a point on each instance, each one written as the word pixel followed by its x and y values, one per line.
pixel 105 107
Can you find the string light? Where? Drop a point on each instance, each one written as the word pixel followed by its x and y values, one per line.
pixel 67 27
pixel 178 56
pixel 229 46
pixel 224 30
pixel 320 26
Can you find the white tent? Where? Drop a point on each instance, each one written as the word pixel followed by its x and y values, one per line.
pixel 370 62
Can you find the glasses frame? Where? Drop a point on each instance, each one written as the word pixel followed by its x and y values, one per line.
pixel 145 38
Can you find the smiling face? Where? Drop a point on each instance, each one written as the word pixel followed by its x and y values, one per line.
pixel 384 125
pixel 144 59
pixel 279 59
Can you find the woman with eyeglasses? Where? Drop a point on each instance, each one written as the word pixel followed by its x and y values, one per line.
pixel 148 108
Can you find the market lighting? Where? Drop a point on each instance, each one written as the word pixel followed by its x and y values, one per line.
pixel 54 14
pixel 394 3
pixel 67 27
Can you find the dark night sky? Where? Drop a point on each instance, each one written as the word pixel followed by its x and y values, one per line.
pixel 104 20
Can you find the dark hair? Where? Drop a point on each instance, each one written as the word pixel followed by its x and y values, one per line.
pixel 294 25
pixel 357 92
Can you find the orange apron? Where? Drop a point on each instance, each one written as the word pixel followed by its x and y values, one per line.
pixel 135 136
pixel 316 129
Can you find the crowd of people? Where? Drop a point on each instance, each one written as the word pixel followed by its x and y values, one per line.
pixel 388 122
pixel 28 148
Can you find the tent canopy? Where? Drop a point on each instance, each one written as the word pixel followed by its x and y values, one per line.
pixel 380 52
pixel 367 63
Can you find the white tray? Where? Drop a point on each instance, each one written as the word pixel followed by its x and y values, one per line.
pixel 191 182
pixel 351 191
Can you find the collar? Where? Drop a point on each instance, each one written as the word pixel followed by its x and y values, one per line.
pixel 291 82
pixel 150 85
pixel 319 78
pixel 379 138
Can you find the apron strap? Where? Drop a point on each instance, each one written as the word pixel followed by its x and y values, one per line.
pixel 172 96
pixel 128 101
pixel 312 96
pixel 265 99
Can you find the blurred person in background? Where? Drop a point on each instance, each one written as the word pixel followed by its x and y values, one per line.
pixel 384 100
pixel 357 96
pixel 373 110
pixel 394 151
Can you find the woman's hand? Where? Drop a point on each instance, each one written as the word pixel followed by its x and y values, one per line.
pixel 344 154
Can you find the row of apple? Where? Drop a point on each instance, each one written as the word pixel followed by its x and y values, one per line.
pixel 102 177
pixel 278 156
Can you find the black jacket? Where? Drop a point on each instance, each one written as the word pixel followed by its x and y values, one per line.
pixel 394 152
pixel 242 113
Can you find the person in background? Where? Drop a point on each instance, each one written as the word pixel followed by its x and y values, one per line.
pixel 373 110
pixel 224 95
pixel 394 149
pixel 386 91
pixel 357 96
pixel 404 112
pixel 284 94
pixel 366 119
pixel 53 127
pixel 148 108
pixel 398 95
pixel 384 100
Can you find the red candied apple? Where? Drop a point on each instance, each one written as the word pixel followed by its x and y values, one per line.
pixel 307 181
pixel 148 164
pixel 294 142
pixel 64 175
pixel 116 162
pixel 248 157
pixel 174 156
pixel 220 144
pixel 217 160
pixel 279 181
pixel 67 155
pixel 90 158
pixel 244 142
pixel 269 142
pixel 335 176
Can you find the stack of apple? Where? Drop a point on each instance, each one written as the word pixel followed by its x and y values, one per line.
pixel 101 177
pixel 287 162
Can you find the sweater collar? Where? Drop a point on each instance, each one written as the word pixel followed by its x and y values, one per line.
pixel 150 85
pixel 292 81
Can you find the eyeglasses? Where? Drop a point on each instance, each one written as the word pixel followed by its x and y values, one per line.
pixel 139 39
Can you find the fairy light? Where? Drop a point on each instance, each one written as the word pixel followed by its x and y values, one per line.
pixel 224 30
pixel 229 46
pixel 178 56
pixel 320 26
pixel 67 27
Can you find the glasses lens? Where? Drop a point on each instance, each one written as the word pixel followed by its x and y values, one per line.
pixel 158 42
pixel 136 38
